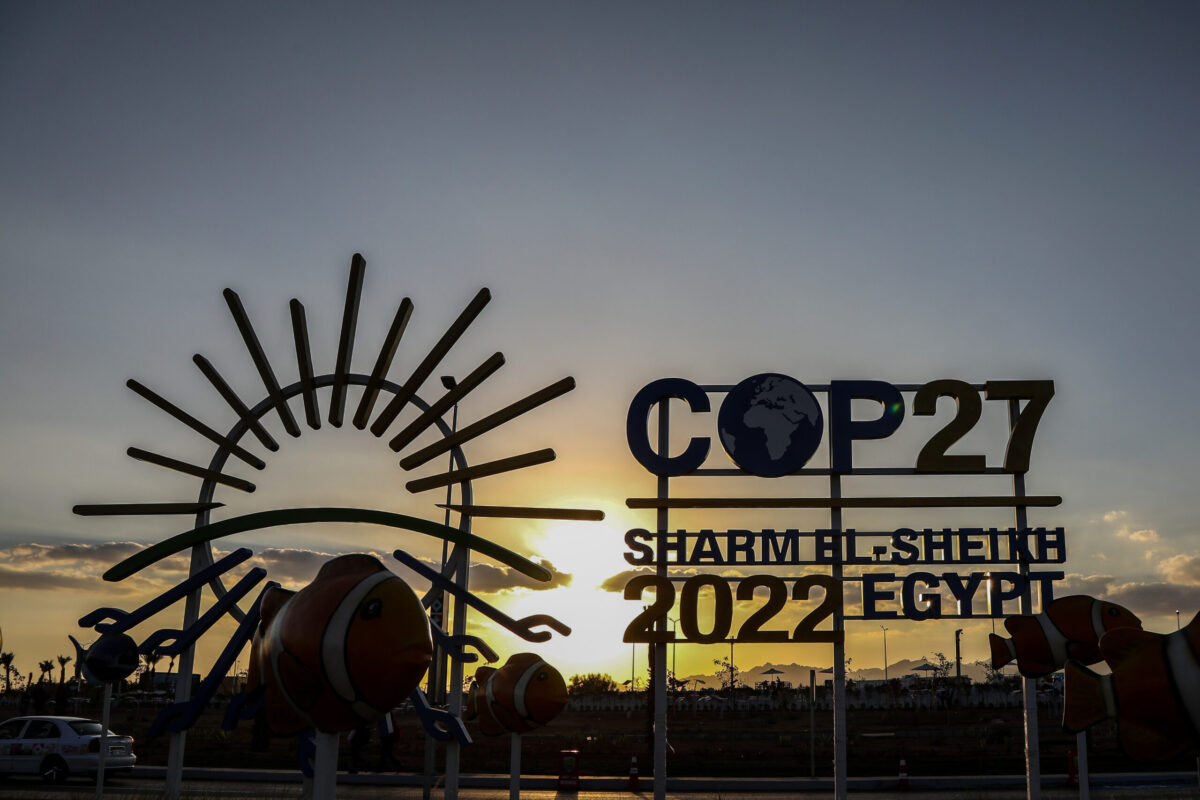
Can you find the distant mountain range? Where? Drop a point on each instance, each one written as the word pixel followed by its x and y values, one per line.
pixel 797 674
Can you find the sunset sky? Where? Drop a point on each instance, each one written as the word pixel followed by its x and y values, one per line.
pixel 830 191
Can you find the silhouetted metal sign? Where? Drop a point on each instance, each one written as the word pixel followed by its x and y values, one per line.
pixel 771 426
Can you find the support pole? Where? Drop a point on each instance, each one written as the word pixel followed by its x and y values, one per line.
pixel 659 649
pixel 104 717
pixel 840 782
pixel 183 680
pixel 325 763
pixel 514 767
pixel 436 688
pixel 454 699
pixel 1033 766
pixel 812 723
pixel 1085 791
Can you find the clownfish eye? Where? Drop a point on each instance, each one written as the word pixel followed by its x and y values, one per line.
pixel 541 676
pixel 1114 612
pixel 373 609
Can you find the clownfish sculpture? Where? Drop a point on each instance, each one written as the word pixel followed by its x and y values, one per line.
pixel 1068 628
pixel 111 658
pixel 342 651
pixel 1153 692
pixel 522 695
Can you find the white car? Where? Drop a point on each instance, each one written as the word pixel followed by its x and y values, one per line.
pixel 58 747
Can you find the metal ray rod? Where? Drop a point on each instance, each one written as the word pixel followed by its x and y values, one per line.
pixel 526 512
pixel 190 469
pixel 386 353
pixel 489 422
pixel 235 402
pixel 337 404
pixel 308 391
pixel 447 401
pixel 481 470
pixel 260 361
pixel 133 509
pixel 195 424
pixel 431 361
pixel 974 501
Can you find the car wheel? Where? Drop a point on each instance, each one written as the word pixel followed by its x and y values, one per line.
pixel 54 770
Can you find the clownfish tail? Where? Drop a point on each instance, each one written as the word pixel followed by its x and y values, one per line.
pixel 1087 698
pixel 1003 650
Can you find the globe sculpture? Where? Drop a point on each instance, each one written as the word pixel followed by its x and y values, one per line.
pixel 770 425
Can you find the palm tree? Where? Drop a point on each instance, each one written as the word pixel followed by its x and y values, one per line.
pixel 62 669
pixel 151 659
pixel 47 668
pixel 6 660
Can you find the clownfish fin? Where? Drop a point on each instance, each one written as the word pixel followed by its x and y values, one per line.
pixel 482 674
pixel 1084 652
pixel 1119 643
pixel 472 708
pixel 299 683
pixel 273 600
pixel 80 652
pixel 1034 656
pixel 1087 698
pixel 1003 650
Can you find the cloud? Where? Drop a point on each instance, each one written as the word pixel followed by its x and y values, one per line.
pixel 36 567
pixel 42 580
pixel 1144 599
pixel 1143 535
pixel 1183 570
pixel 291 567
pixel 488 579
pixel 1092 585
pixel 616 583
pixel 108 553
pixel 1125 530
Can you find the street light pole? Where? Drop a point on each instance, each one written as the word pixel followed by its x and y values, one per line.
pixel 957 654
pixel 885 661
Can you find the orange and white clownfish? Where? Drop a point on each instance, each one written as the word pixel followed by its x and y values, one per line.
pixel 1068 628
pixel 1153 691
pixel 342 651
pixel 522 695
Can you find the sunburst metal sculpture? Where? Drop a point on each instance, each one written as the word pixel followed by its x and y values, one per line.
pixel 208 571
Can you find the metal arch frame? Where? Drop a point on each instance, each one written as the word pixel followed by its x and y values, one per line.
pixel 209 485
pixel 202 556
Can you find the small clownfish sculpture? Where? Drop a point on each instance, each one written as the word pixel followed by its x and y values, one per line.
pixel 522 695
pixel 111 658
pixel 1068 628
pixel 1153 692
pixel 342 651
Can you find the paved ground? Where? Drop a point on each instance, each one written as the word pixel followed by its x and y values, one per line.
pixel 139 789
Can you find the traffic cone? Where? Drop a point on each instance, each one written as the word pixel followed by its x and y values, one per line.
pixel 902 784
pixel 634 784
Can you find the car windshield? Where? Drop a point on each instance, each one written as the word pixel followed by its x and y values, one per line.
pixel 86 727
